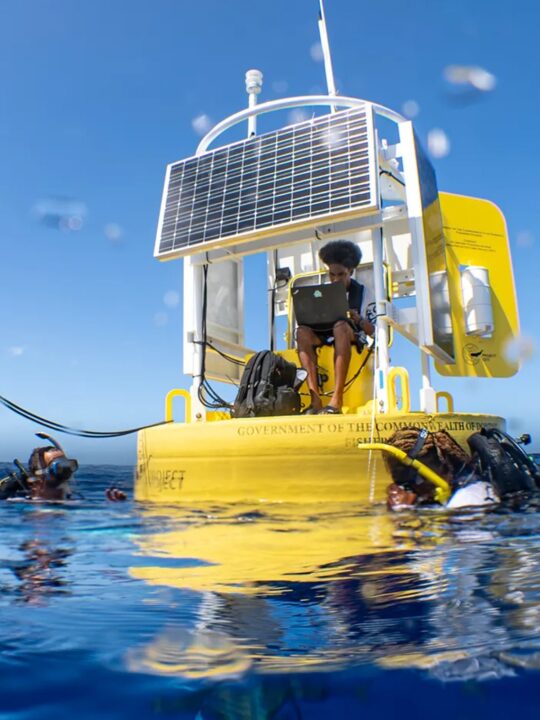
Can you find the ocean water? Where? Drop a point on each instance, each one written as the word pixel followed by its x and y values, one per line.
pixel 123 610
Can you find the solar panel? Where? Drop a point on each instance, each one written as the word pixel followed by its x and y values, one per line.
pixel 313 170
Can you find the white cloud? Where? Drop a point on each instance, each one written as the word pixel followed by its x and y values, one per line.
pixel 297 116
pixel 171 298
pixel 410 108
pixel 161 319
pixel 280 86
pixel 16 350
pixel 520 349
pixel 73 223
pixel 472 75
pixel 438 143
pixel 113 232
pixel 201 124
pixel 60 212
pixel 525 239
pixel 482 79
pixel 316 52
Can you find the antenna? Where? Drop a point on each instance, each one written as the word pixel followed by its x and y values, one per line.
pixel 254 80
pixel 326 54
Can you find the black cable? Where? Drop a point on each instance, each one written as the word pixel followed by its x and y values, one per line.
pixel 206 343
pixel 362 366
pixel 387 172
pixel 349 382
pixel 273 290
pixel 272 318
pixel 230 358
pixel 273 306
pixel 58 427
pixel 205 390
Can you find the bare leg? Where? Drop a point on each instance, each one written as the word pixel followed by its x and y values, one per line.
pixel 306 342
pixel 343 338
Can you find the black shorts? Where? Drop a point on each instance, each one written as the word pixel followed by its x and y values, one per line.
pixel 326 335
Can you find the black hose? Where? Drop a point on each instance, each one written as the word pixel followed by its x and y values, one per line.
pixel 58 427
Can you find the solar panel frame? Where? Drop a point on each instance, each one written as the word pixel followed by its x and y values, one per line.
pixel 300 175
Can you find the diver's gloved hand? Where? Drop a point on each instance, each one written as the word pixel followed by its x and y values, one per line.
pixel 398 497
pixel 114 494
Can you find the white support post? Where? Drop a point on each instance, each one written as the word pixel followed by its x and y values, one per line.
pixel 428 402
pixel 193 349
pixel 428 397
pixel 271 275
pixel 416 226
pixel 382 360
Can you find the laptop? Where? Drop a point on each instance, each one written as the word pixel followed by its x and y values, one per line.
pixel 320 306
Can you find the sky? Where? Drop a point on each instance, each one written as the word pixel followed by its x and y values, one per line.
pixel 98 96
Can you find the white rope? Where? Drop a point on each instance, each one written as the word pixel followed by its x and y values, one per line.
pixel 371 469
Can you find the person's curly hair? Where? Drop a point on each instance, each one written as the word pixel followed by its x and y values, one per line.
pixel 440 452
pixel 342 252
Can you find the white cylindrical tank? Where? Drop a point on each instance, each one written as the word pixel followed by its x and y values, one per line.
pixel 477 306
pixel 440 303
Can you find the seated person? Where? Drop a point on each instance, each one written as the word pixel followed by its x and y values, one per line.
pixel 341 257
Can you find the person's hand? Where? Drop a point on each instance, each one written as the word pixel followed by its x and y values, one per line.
pixel 398 497
pixel 361 323
pixel 115 495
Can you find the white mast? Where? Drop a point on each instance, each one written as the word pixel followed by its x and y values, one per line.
pixel 330 84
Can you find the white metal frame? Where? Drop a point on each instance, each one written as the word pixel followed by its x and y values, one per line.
pixel 193 274
pixel 294 102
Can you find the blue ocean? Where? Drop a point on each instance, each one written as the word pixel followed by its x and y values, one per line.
pixel 123 610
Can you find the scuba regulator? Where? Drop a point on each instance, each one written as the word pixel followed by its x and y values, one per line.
pixel 15 483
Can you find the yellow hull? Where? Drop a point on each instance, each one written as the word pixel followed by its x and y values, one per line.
pixel 303 459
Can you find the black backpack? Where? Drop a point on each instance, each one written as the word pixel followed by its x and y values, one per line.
pixel 267 387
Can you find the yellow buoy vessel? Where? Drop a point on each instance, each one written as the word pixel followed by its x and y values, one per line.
pixel 435 266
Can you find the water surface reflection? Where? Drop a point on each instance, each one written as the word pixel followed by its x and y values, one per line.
pixel 456 595
pixel 120 610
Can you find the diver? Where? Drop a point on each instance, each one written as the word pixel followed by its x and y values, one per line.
pixel 498 469
pixel 341 257
pixel 47 476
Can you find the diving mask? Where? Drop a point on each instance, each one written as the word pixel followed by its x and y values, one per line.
pixel 60 470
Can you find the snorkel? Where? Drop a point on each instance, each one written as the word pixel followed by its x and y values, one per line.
pixel 44 436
